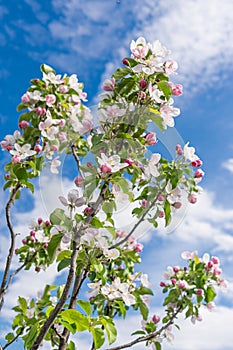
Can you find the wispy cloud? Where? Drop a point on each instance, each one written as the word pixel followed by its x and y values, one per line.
pixel 228 164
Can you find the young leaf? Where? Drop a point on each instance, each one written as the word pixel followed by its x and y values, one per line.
pixel 85 305
pixel 53 246
pixel 98 337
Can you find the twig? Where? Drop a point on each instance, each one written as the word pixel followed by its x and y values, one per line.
pixel 48 323
pixel 12 245
pixel 148 336
pixel 77 285
pixel 73 148
pixel 13 340
pixel 117 244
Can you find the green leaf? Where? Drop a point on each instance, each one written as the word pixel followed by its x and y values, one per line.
pixel 71 346
pixel 155 117
pixel 210 294
pixel 30 337
pixel 74 316
pixel 21 173
pixel 165 88
pixel 23 304
pixel 9 337
pixel 30 186
pixel 167 210
pixel 145 290
pixel 121 73
pixel 90 184
pixel 96 222
pixel 85 305
pixel 53 246
pixel 144 311
pixel 110 329
pixel 139 333
pixel 98 337
pixel 63 264
pixel 47 69
pixel 158 345
pixel 174 177
pixel 57 216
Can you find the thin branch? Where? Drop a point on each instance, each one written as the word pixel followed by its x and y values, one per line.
pixel 117 244
pixel 48 323
pixel 17 271
pixel 73 300
pixel 12 244
pixel 148 336
pixel 13 340
pixel 73 148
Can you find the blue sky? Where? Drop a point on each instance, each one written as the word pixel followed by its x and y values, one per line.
pixel 90 38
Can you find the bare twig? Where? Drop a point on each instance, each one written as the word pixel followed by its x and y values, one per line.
pixel 73 148
pixel 12 244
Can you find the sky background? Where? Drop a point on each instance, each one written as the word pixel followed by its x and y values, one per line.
pixel 90 38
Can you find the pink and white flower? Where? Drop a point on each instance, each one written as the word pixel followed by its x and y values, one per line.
pixel 22 152
pixel 113 163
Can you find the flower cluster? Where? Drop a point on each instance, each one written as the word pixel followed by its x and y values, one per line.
pixel 55 119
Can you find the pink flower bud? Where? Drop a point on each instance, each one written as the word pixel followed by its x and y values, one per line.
pixel 151 138
pixel 179 150
pixel 161 214
pixel 196 163
pixel 200 292
pixel 40 110
pixel 39 220
pixel 125 62
pixel 26 98
pixel 32 239
pixel 23 124
pixel 143 83
pixel 105 168
pixel 38 148
pixel 32 233
pixel 89 164
pixel 16 250
pixel 24 241
pixel 142 95
pixel 162 284
pixel 182 284
pixel 199 173
pixel 37 269
pixel 128 161
pixel 177 205
pixel 87 210
pixel 155 319
pixel 215 260
pixel 63 89
pixel 138 247
pixel 47 223
pixel 160 198
pixel 79 181
pixel 54 148
pixel 173 280
pixel 192 198
pixel 120 234
pixel 176 269
pixel 177 89
pixel 145 204
pixel 7 176
pixel 46 245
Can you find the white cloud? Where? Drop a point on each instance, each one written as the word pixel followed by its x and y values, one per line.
pixel 228 164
